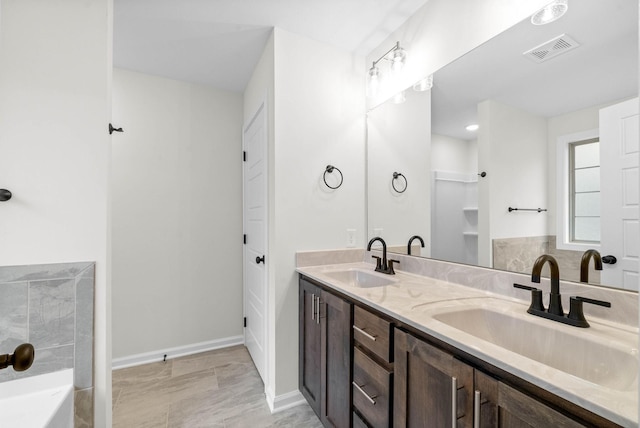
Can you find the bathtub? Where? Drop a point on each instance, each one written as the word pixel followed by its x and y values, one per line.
pixel 43 401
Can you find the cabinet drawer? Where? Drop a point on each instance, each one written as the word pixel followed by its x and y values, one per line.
pixel 373 333
pixel 371 389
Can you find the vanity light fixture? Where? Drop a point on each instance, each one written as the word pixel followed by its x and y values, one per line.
pixel 424 84
pixel 398 58
pixel 472 127
pixel 550 12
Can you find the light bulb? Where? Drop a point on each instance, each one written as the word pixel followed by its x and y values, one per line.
pixel 472 127
pixel 398 59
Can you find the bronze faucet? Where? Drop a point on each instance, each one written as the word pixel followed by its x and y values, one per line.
pixel 575 317
pixel 411 242
pixel 382 265
pixel 584 264
pixel 555 303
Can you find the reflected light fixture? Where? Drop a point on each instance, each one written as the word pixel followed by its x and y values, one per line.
pixel 398 58
pixel 373 81
pixel 550 12
pixel 423 84
pixel 399 98
pixel 472 127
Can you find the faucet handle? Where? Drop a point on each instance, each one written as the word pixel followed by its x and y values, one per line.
pixel 391 262
pixel 536 298
pixel 378 262
pixel 592 301
pixel 575 309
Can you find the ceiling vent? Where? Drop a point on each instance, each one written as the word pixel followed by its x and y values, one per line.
pixel 552 48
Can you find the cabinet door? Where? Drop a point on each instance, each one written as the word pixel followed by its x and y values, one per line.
pixel 498 405
pixel 336 321
pixel 431 388
pixel 309 342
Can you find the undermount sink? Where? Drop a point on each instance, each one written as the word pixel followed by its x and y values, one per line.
pixel 599 360
pixel 360 278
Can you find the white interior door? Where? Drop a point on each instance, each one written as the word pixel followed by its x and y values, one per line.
pixel 255 229
pixel 619 135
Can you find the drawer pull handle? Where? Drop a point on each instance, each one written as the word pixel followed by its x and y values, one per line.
pixel 313 307
pixel 476 409
pixel 359 388
pixel 454 402
pixel 361 331
pixel 318 310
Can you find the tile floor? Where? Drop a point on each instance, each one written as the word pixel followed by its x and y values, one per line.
pixel 220 389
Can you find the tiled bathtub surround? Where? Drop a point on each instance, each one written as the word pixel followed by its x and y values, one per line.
pixel 51 306
pixel 624 304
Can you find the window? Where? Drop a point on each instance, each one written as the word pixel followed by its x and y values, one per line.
pixel 578 191
pixel 584 183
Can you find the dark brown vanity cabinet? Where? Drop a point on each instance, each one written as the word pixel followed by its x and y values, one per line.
pixel 432 388
pixel 380 376
pixel 325 354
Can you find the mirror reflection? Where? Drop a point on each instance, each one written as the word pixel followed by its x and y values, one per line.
pixel 552 166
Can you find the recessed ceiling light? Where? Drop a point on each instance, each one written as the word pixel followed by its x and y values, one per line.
pixel 472 127
pixel 550 12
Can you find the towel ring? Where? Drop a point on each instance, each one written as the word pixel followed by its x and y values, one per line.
pixel 329 170
pixel 393 182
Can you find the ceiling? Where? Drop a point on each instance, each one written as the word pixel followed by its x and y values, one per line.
pixel 604 68
pixel 219 42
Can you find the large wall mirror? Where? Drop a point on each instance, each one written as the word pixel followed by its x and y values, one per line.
pixel 544 173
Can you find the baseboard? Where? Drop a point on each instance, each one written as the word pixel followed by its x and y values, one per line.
pixel 179 351
pixel 284 401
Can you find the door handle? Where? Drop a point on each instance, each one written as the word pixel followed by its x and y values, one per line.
pixel 259 260
pixel 610 260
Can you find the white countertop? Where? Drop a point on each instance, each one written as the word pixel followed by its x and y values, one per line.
pixel 420 301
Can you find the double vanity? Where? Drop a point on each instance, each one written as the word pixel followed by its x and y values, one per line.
pixel 446 345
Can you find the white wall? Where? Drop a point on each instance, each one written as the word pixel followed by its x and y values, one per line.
pixel 316 118
pixel 177 214
pixel 443 30
pixel 512 149
pixel 319 120
pixel 398 140
pixel 55 61
pixel 453 154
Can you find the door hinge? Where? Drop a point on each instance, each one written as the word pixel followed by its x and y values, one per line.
pixel 244 238
pixel 245 321
pixel 244 156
